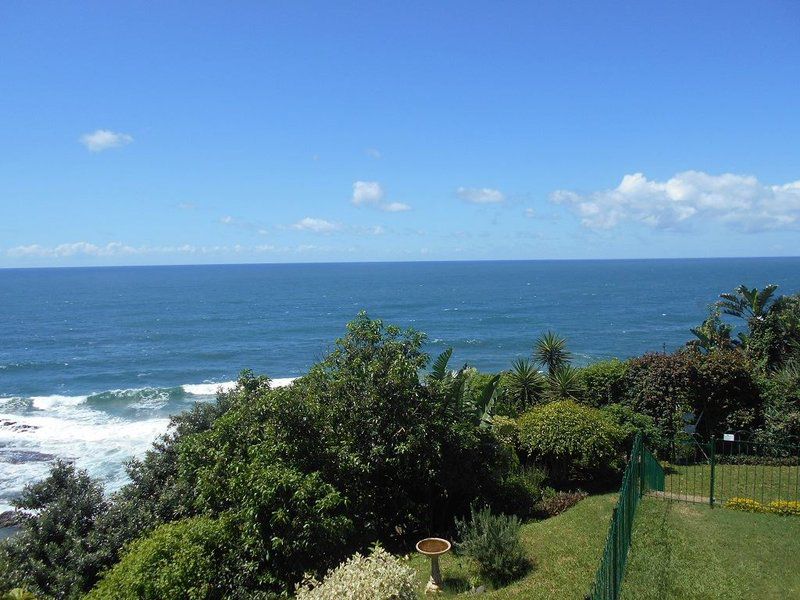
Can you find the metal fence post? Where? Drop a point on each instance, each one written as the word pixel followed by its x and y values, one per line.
pixel 712 459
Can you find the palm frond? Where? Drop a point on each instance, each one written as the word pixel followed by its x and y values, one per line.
pixel 439 367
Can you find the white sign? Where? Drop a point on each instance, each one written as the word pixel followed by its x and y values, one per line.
pixel 729 437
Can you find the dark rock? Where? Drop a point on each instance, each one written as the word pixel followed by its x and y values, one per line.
pixel 17 457
pixel 14 426
pixel 8 518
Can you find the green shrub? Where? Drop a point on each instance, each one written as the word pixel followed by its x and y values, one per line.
pixel 719 385
pixel 18 594
pixel 604 382
pixel 506 430
pixel 179 560
pixel 573 442
pixel 521 492
pixel 632 423
pixel 493 542
pixel 781 395
pixel 379 575
pixel 59 550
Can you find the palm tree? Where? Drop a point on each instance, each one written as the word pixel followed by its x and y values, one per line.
pixel 565 383
pixel 525 384
pixel 551 351
pixel 747 303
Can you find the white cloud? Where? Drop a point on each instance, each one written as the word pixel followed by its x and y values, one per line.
pixel 367 192
pixel 227 220
pixel 739 201
pixel 480 195
pixel 530 213
pixel 370 193
pixel 103 139
pixel 395 207
pixel 315 225
pixel 373 153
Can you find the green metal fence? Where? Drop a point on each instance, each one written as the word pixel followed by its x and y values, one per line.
pixel 642 474
pixel 734 466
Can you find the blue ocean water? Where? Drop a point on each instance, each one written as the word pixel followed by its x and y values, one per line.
pixel 93 360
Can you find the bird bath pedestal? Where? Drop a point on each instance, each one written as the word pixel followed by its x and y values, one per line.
pixel 433 548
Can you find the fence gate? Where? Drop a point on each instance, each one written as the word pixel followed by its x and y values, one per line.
pixel 734 466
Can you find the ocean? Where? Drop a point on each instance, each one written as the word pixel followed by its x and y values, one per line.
pixel 94 360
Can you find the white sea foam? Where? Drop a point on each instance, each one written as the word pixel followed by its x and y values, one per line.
pixel 98 435
pixel 211 389
pixel 56 401
pixel 208 389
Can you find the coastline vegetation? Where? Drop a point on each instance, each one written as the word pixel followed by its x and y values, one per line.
pixel 268 488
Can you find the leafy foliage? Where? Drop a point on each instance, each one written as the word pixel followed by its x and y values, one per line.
pixel 603 382
pixel 660 386
pixel 572 441
pixel 565 384
pixel 774 339
pixel 521 491
pixel 713 333
pixel 185 559
pixel 524 386
pixel 379 575
pixel 632 423
pixel 551 351
pixel 60 549
pixel 493 542
pixel 781 405
pixel 747 303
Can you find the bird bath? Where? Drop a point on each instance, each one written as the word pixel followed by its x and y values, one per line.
pixel 433 548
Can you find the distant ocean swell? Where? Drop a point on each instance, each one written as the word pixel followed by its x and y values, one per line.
pixel 98 431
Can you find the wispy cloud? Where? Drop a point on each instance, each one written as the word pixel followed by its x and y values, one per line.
pixel 373 153
pixel 90 249
pixel 316 225
pixel 529 212
pixel 117 249
pixel 103 139
pixel 480 195
pixel 738 201
pixel 395 207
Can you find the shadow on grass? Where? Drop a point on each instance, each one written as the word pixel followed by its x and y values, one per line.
pixel 456 585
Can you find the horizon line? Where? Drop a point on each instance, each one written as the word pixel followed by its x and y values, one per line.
pixel 367 262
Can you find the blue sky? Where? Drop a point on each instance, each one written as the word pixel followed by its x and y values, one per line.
pixel 158 133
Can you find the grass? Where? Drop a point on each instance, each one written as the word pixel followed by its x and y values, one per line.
pixel 689 551
pixel 564 551
pixel 760 482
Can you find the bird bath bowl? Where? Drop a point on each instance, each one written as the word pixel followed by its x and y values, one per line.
pixel 433 548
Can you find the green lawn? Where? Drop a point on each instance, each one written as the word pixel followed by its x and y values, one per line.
pixel 565 551
pixel 762 483
pixel 689 551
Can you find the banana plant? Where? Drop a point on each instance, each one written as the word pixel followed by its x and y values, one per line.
pixel 472 404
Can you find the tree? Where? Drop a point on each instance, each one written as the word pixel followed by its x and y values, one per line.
pixel 747 303
pixel 713 333
pixel 59 551
pixel 551 351
pixel 565 383
pixel 525 385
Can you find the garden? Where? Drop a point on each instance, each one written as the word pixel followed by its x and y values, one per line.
pixel 327 485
